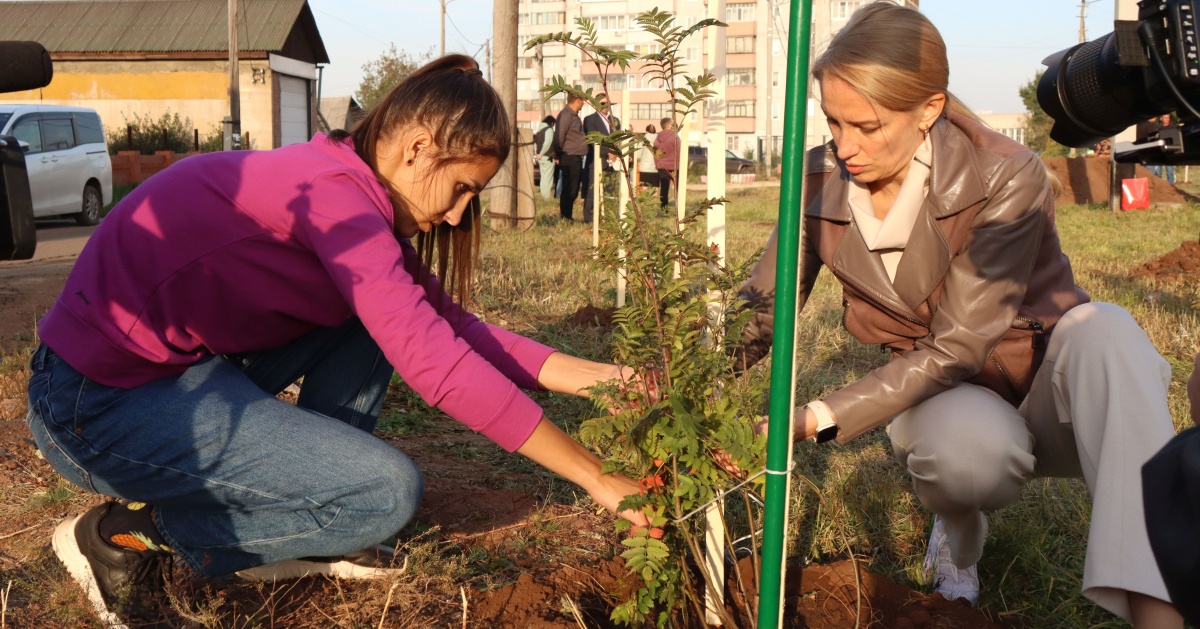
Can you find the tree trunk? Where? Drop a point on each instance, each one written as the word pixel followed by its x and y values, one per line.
pixel 504 189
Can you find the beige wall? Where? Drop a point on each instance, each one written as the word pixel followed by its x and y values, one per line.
pixel 196 90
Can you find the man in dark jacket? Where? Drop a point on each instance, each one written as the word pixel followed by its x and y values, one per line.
pixel 601 121
pixel 568 141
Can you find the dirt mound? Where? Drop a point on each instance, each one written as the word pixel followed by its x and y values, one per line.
pixel 837 595
pixel 592 317
pixel 1086 180
pixel 1181 263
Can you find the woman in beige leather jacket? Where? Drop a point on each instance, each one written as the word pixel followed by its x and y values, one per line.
pixel 941 232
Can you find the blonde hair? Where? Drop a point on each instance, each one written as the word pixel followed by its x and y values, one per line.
pixel 893 56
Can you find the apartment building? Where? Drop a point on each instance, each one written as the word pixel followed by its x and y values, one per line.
pixel 756 62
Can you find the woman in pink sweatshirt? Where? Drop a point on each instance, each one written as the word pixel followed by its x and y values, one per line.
pixel 229 276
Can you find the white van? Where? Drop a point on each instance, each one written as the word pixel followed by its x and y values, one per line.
pixel 66 156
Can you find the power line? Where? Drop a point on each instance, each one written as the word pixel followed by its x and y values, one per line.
pixel 460 33
pixel 349 24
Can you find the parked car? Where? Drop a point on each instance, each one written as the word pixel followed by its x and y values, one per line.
pixel 698 156
pixel 66 156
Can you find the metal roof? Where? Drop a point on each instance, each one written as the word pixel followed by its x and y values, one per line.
pixel 155 25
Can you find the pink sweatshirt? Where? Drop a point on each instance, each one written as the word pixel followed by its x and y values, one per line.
pixel 244 251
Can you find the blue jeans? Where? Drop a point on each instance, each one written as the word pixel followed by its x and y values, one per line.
pixel 237 477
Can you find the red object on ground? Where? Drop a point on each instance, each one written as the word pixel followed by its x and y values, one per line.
pixel 1135 193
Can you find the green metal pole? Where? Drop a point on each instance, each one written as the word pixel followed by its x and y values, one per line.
pixel 779 441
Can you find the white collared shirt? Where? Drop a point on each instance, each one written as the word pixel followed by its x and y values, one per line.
pixel 888 236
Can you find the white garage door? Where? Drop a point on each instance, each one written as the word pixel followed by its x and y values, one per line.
pixel 293 110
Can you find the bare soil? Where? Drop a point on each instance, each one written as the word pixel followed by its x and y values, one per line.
pixel 527 559
pixel 1085 180
pixel 1182 263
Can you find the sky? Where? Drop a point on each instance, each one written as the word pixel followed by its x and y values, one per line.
pixel 995 46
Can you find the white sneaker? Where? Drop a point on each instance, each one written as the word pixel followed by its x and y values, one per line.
pixel 949 580
pixel 377 562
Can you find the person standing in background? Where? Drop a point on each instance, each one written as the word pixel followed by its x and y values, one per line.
pixel 601 121
pixel 543 146
pixel 569 144
pixel 667 159
pixel 647 171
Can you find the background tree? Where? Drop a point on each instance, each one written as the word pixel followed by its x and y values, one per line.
pixel 385 73
pixel 1038 122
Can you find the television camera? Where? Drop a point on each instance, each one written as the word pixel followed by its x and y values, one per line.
pixel 24 65
pixel 1143 69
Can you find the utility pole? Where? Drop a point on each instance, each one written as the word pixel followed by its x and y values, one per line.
pixel 487 55
pixel 1083 5
pixel 442 37
pixel 235 100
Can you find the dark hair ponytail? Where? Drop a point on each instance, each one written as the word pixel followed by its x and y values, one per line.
pixel 449 98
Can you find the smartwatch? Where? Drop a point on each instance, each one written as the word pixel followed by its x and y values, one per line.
pixel 827 431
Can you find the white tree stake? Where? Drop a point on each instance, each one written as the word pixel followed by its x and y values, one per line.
pixel 714 534
pixel 622 201
pixel 597 200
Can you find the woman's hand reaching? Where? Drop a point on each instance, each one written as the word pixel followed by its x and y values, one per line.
pixel 610 489
pixel 556 451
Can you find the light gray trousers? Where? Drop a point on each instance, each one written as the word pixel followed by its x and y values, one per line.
pixel 1097 409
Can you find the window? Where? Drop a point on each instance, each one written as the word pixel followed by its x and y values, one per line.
pixel 741 109
pixel 26 130
pixel 775 109
pixel 615 82
pixel 1017 133
pixel 842 10
pixel 639 81
pixel 611 22
pixel 58 134
pixel 776 47
pixel 649 111
pixel 739 77
pixel 553 106
pixel 646 49
pixel 3 119
pixel 693 53
pixel 731 144
pixel 87 129
pixel 550 17
pixel 734 45
pixel 774 79
pixel 739 12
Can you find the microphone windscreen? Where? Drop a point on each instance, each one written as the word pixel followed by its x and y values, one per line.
pixel 24 65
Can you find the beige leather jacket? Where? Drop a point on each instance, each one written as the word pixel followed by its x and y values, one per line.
pixel 977 293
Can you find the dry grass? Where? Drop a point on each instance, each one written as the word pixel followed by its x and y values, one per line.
pixel 856 500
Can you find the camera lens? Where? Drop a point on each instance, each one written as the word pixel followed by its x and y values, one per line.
pixel 1090 95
